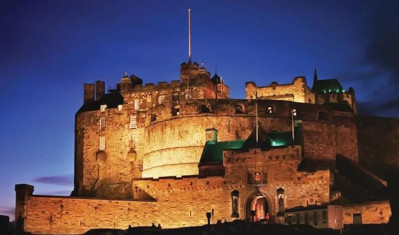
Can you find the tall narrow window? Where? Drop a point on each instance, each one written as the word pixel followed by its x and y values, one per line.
pixel 101 145
pixel 234 204
pixel 133 122
pixel 102 123
pixel 280 198
pixel 136 104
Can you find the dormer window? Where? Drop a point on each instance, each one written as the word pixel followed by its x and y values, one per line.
pixel 103 107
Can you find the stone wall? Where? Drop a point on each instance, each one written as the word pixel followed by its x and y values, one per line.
pixel 297 91
pixel 172 145
pixel 378 143
pixel 68 215
pixel 377 212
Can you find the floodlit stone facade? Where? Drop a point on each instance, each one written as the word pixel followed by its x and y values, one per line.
pixel 170 153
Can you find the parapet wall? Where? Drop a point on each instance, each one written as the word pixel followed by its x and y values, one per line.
pixel 297 91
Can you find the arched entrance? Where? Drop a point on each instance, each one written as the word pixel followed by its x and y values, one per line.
pixel 258 208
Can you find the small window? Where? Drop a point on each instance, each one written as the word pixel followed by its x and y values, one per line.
pixel 270 110
pixel 136 104
pixel 205 109
pixel 120 107
pixel 298 218
pixel 240 109
pixel 357 218
pixel 149 98
pixel 315 218
pixel 101 145
pixel 103 107
pixel 175 96
pixel 161 99
pixel 153 117
pixel 102 123
pixel 175 111
pixel 133 122
pixel 324 213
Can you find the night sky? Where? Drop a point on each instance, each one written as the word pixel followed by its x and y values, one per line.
pixel 49 48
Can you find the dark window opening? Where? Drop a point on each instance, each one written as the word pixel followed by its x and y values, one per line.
pixel 175 111
pixel 175 96
pixel 239 109
pixel 205 109
pixel 315 218
pixel 153 117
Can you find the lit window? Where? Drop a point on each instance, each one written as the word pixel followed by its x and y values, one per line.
pixel 102 123
pixel 269 110
pixel 101 143
pixel 161 99
pixel 133 122
pixel 234 206
pixel 136 104
pixel 149 98
pixel 103 107
pixel 120 107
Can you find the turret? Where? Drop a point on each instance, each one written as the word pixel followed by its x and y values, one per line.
pixel 126 83
pixel 88 94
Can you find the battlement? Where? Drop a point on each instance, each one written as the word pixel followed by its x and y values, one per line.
pixel 289 153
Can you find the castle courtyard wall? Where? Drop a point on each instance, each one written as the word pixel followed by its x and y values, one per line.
pixel 375 212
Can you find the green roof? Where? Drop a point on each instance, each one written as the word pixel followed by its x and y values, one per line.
pixel 213 151
pixel 327 86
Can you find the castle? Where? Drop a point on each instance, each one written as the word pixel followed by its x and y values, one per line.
pixel 184 154
pixel 175 153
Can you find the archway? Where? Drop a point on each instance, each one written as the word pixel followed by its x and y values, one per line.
pixel 258 208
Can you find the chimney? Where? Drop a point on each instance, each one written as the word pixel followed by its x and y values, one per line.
pixel 100 89
pixel 88 92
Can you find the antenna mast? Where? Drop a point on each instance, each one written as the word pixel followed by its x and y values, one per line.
pixel 189 34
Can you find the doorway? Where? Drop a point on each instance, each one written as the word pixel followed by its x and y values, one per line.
pixel 258 208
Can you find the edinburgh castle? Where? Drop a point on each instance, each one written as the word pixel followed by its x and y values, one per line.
pixel 181 153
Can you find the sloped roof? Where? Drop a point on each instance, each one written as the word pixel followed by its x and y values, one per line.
pixel 216 79
pixel 327 85
pixel 213 151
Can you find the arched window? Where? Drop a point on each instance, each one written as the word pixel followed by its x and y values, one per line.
pixel 234 203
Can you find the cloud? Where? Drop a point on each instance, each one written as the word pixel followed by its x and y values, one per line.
pixel 382 49
pixel 63 180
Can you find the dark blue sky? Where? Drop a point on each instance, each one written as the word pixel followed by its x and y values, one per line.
pixel 48 49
